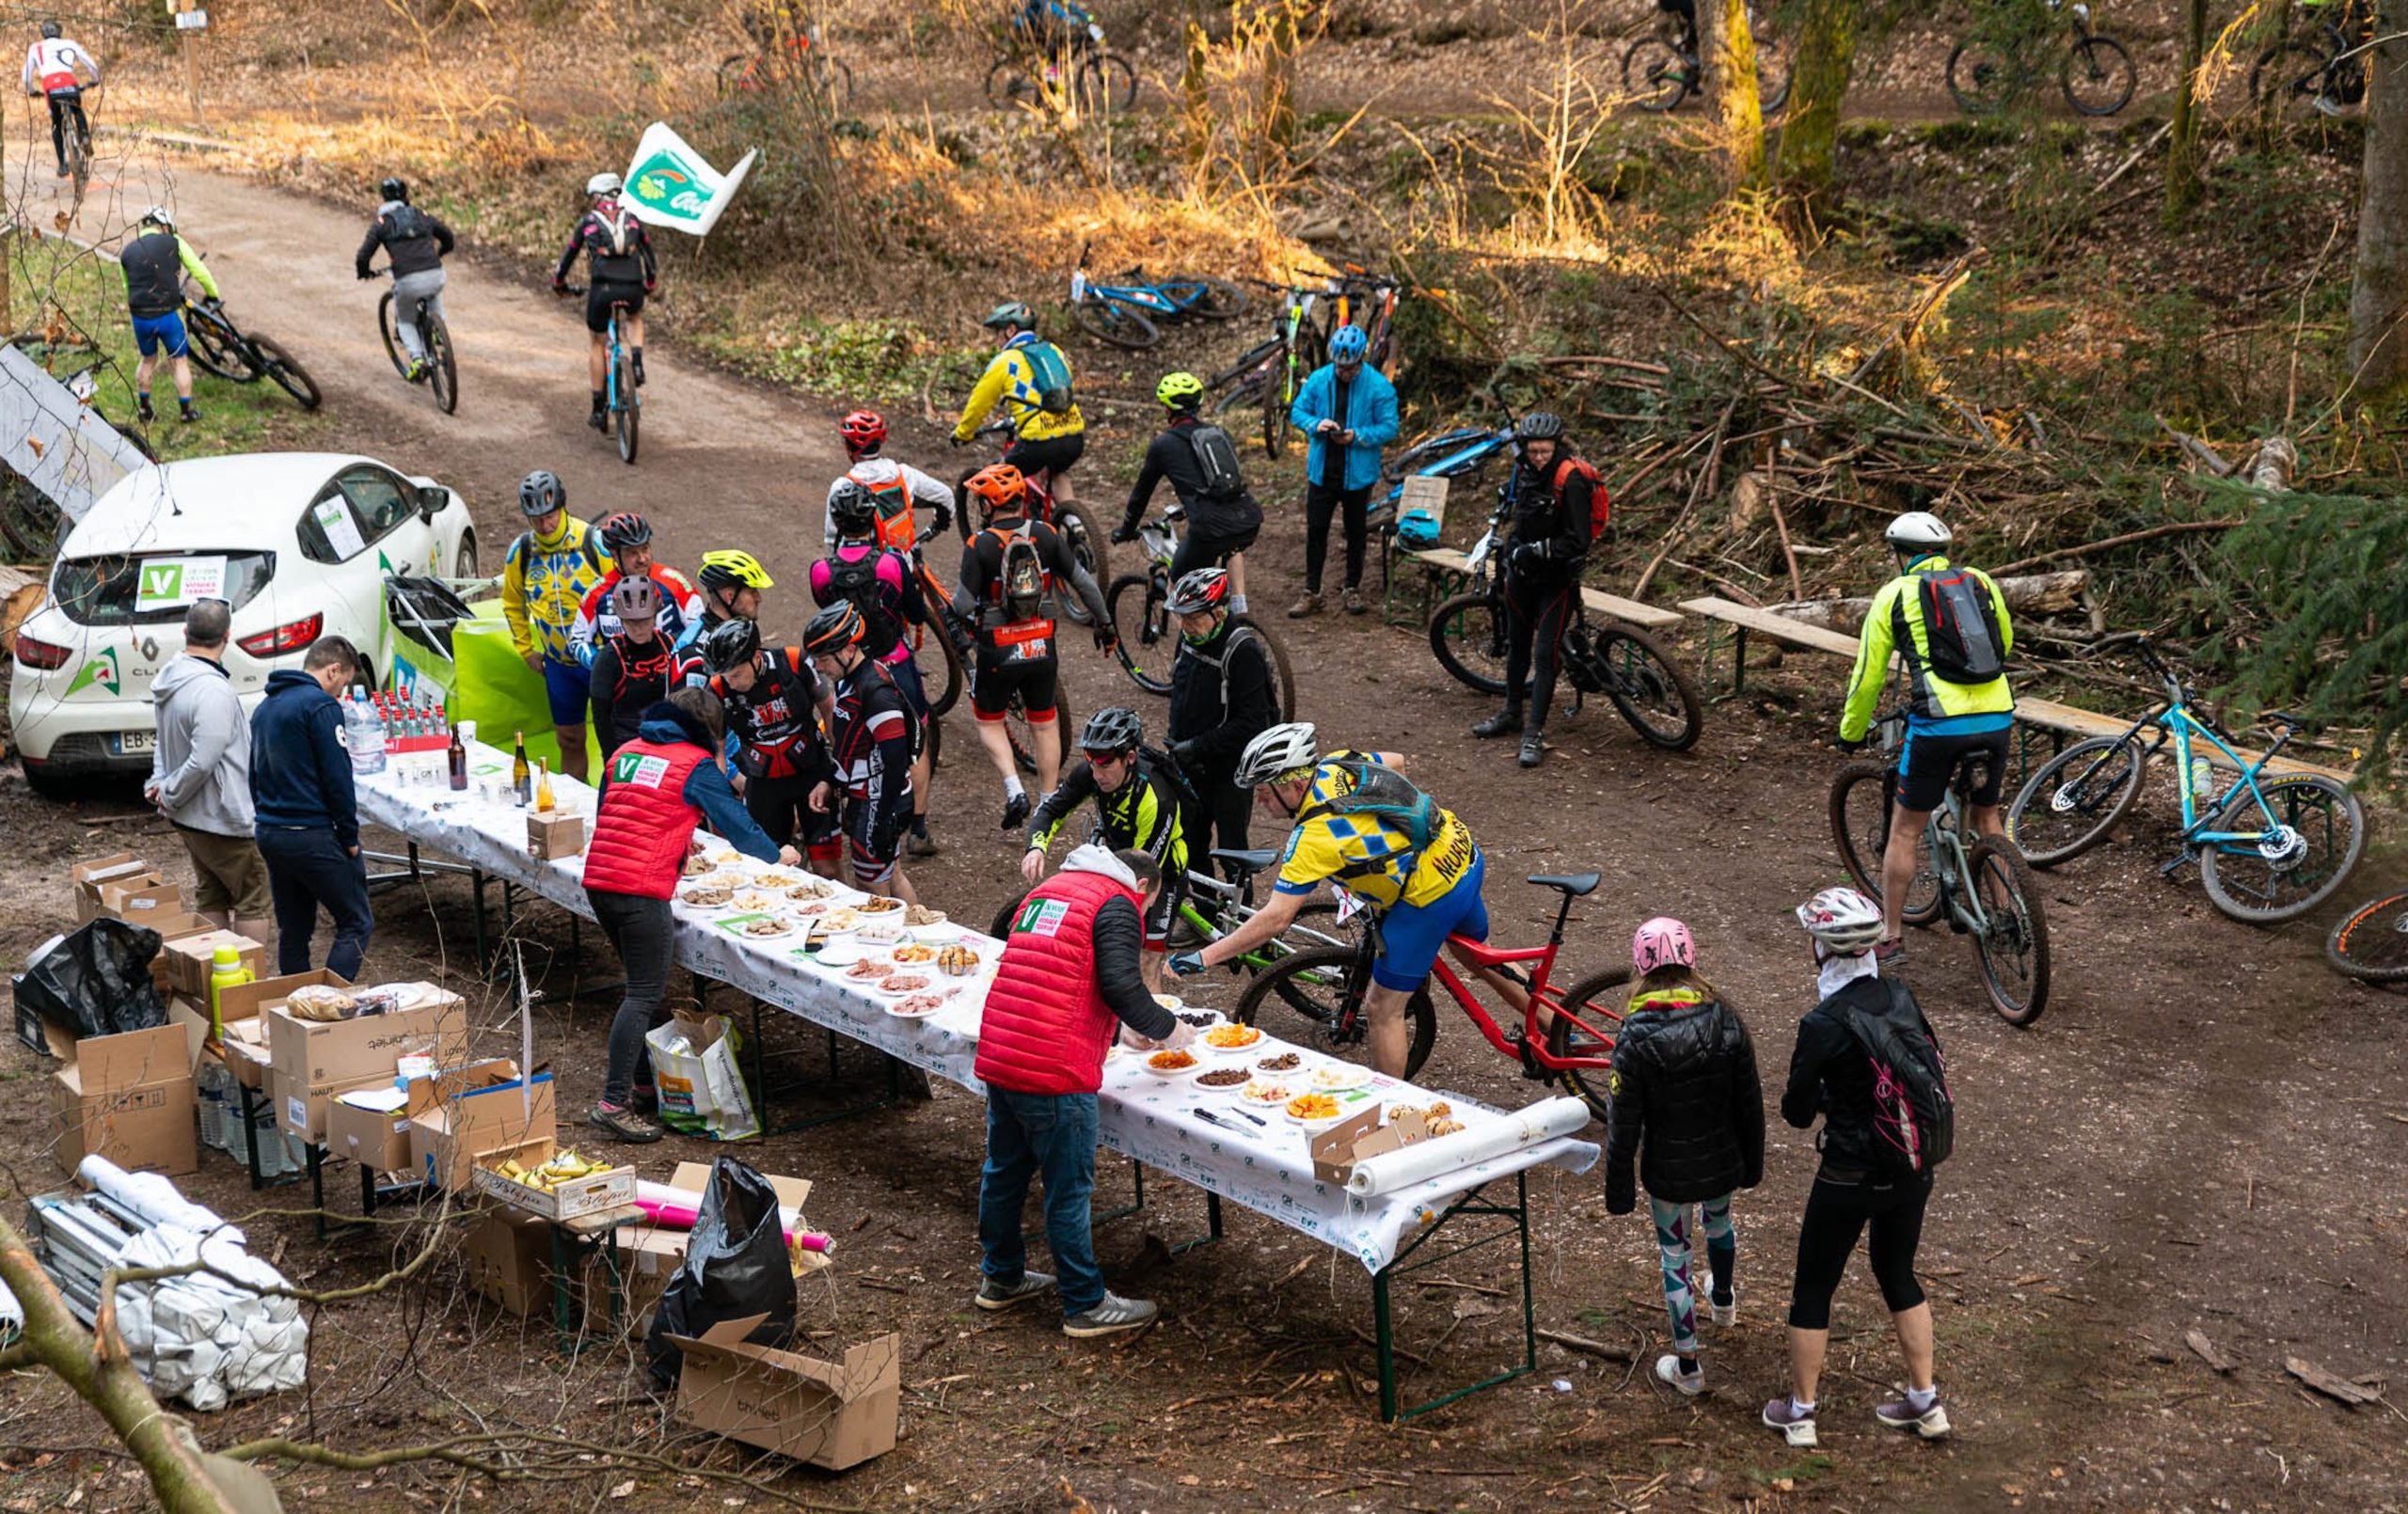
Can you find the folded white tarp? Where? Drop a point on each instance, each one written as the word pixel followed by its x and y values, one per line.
pixel 59 444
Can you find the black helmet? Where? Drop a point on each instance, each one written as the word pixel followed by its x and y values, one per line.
pixel 1202 589
pixel 832 629
pixel 622 529
pixel 392 188
pixel 1539 425
pixel 731 643
pixel 49 31
pixel 1117 728
pixel 541 493
pixel 853 508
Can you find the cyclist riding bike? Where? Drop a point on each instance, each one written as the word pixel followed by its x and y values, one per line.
pixel 545 578
pixel 1950 626
pixel 1551 506
pixel 415 246
pixel 622 271
pixel 55 69
pixel 1029 382
pixel 731 582
pixel 625 539
pixel 1011 571
pixel 1221 698
pixel 897 487
pixel 1361 826
pixel 873 739
pixel 155 262
pixel 1139 799
pixel 878 581
pixel 773 703
pixel 634 668
pixel 1050 26
pixel 1201 463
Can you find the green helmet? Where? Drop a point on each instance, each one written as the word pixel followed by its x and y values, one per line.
pixel 1181 390
pixel 1011 313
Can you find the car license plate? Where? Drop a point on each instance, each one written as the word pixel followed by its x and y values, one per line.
pixel 137 743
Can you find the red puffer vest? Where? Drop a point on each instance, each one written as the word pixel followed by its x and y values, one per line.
pixel 639 834
pixel 1047 1026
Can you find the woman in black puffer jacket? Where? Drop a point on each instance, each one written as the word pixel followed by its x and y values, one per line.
pixel 1688 1107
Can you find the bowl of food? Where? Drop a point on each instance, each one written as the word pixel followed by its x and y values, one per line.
pixel 1314 1109
pixel 1232 1038
pixel 1172 1063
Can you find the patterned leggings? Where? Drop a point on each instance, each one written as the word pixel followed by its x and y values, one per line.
pixel 1673 1242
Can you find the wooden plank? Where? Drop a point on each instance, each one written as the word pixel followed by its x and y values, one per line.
pixel 1629 610
pixel 1779 627
pixel 1445 558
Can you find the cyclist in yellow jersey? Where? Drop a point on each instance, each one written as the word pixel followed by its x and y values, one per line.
pixel 1028 387
pixel 545 578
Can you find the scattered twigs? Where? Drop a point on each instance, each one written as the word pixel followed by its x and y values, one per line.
pixel 1788 552
pixel 1910 331
pixel 1583 1343
pixel 2170 529
pixel 1702 489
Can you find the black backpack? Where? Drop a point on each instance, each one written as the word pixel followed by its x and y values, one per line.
pixel 1216 460
pixel 857 581
pixel 1020 580
pixel 1183 796
pixel 1914 1120
pixel 1960 625
pixel 407 223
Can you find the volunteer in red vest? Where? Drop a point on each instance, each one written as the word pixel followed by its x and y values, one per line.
pixel 1548 505
pixel 898 487
pixel 1067 983
pixel 659 787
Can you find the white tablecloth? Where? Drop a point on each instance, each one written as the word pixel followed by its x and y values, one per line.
pixel 1265 1166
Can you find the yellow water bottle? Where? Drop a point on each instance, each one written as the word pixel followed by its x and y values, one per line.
pixel 226 971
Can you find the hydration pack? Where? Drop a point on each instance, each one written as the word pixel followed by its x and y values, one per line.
pixel 1020 583
pixel 1960 626
pixel 1914 1120
pixel 856 580
pixel 895 527
pixel 1599 507
pixel 1388 797
pixel 1050 371
pixel 1216 460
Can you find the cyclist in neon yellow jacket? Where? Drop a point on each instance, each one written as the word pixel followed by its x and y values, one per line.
pixel 545 578
pixel 1028 387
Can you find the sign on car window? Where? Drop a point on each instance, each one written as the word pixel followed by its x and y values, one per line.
pixel 342 532
pixel 169 583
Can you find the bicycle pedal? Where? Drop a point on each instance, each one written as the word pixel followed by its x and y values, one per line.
pixel 1531 1071
pixel 2176 864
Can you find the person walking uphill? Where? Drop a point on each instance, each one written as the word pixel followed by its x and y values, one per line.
pixel 306 815
pixel 1686 1104
pixel 1201 463
pixel 659 787
pixel 1067 979
pixel 1347 412
pixel 200 774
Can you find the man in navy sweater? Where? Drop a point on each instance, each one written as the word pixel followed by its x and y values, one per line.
pixel 307 816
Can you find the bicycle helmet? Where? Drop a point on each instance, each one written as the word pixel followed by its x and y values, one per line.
pixel 999 487
pixel 1539 426
pixel 603 183
pixel 731 643
pixel 1181 390
pixel 1011 313
pixel 1917 530
pixel 49 31
pixel 832 629
pixel 1662 942
pixel 1276 753
pixel 392 188
pixel 1842 921
pixel 1202 589
pixel 853 508
pixel 863 431
pixel 622 529
pixel 1348 344
pixel 1116 728
pixel 730 569
pixel 635 599
pixel 541 493
pixel 159 216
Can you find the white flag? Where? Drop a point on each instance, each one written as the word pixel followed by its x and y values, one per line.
pixel 670 185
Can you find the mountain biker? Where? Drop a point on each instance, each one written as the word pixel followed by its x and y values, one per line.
pixel 1960 711
pixel 878 581
pixel 1220 699
pixel 1347 412
pixel 1548 503
pixel 773 703
pixel 634 668
pixel 415 246
pixel 1010 571
pixel 545 578
pixel 625 539
pixel 1419 876
pixel 155 260
pixel 897 487
pixel 1833 1074
pixel 1686 1110
pixel 1201 463
pixel 871 736
pixel 1050 26
pixel 622 271
pixel 732 582
pixel 1138 807
pixel 1029 381
pixel 55 68
pixel 1683 16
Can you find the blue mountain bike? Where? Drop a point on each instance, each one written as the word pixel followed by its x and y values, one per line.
pixel 1131 315
pixel 622 408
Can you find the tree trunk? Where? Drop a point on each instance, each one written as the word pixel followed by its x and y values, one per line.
pixel 1734 62
pixel 2183 184
pixel 2379 297
pixel 1826 56
pixel 1279 123
pixel 1193 94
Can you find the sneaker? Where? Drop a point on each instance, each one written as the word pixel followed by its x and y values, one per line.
pixel 1533 747
pixel 1726 1315
pixel 1503 723
pixel 1110 1317
pixel 644 1098
pixel 993 1296
pixel 1310 604
pixel 418 370
pixel 623 1124
pixel 920 844
pixel 143 412
pixel 597 421
pixel 1016 809
pixel 1689 1384
pixel 1796 1423
pixel 187 415
pixel 1354 602
pixel 1892 950
pixel 1932 1423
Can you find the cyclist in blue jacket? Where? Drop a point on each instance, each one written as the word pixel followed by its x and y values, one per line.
pixel 1347 411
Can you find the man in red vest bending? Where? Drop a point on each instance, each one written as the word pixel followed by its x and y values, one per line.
pixel 1068 981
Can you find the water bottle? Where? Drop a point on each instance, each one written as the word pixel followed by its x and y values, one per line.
pixel 364 732
pixel 2203 779
pixel 213 1106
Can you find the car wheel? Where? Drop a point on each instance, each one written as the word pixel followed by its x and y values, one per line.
pixel 464 559
pixel 49 784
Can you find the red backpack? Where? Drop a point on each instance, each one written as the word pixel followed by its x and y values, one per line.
pixel 1599 507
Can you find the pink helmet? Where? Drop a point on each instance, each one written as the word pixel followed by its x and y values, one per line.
pixel 1662 942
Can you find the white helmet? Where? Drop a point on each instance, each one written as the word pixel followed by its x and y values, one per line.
pixel 1844 920
pixel 1283 749
pixel 604 184
pixel 159 216
pixel 1917 528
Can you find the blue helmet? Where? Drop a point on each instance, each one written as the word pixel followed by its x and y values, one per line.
pixel 1348 344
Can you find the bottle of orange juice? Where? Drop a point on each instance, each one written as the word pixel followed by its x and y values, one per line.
pixel 543 789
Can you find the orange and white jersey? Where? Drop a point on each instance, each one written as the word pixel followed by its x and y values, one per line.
pixel 56 63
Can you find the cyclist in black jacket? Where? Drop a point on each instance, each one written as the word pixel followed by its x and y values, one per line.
pixel 415 245
pixel 1221 698
pixel 1548 500
pixel 1223 520
pixel 623 271
pixel 632 670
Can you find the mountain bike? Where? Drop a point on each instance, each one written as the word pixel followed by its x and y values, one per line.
pixel 1360 298
pixel 1274 371
pixel 2096 75
pixel 1662 69
pixel 1149 632
pixel 1566 1035
pixel 621 406
pixel 1130 315
pixel 441 374
pixel 804 60
pixel 1065 64
pixel 222 348
pixel 2371 943
pixel 75 135
pixel 935 640
pixel 2321 71
pixel 2268 848
pixel 1088 544
pixel 1983 889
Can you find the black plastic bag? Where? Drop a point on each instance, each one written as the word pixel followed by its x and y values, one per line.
pixel 736 1265
pixel 93 981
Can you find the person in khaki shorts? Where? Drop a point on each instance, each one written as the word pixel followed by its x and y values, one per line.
pixel 201 777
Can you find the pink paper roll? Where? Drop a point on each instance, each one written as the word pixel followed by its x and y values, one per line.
pixel 671 1208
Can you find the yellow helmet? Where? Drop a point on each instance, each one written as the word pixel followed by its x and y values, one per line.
pixel 730 569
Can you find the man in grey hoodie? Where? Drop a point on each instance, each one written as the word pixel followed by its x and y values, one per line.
pixel 200 774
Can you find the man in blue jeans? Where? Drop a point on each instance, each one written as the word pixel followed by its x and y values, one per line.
pixel 306 816
pixel 1068 980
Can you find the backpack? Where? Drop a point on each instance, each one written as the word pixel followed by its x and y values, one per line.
pixel 857 580
pixel 1389 797
pixel 1216 459
pixel 407 223
pixel 1050 373
pixel 895 526
pixel 1020 586
pixel 617 261
pixel 1960 625
pixel 1599 507
pixel 1183 796
pixel 1914 1120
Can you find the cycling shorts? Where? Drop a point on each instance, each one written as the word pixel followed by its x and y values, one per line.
pixel 600 296
pixel 782 806
pixel 1411 935
pixel 1036 682
pixel 874 839
pixel 567 685
pixel 1053 455
pixel 1208 549
pixel 906 673
pixel 1930 758
pixel 153 332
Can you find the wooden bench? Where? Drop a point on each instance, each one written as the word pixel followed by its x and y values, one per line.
pixel 1743 618
pixel 1449 570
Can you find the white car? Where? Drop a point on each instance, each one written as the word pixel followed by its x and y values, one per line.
pixel 298 543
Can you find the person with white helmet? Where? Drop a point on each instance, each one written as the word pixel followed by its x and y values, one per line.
pixel 155 262
pixel 1868 1063
pixel 1949 626
pixel 623 270
pixel 55 69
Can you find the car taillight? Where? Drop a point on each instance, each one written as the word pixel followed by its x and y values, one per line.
pixel 293 636
pixel 40 656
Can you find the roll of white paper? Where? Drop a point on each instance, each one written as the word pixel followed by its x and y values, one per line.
pixel 1491 1136
pixel 150 1196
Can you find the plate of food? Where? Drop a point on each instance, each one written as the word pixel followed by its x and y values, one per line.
pixel 761 927
pixel 700 864
pixel 755 901
pixel 1202 1019
pixel 919 1006
pixel 839 921
pixel 1438 1117
pixel 897 984
pixel 879 935
pixel 867 967
pixel 877 904
pixel 1170 1002
pixel 1266 1091
pixel 1313 1109
pixel 810 888
pixel 1224 1079
pixel 808 908
pixel 1172 1063
pixel 912 953
pixel 1282 1064
pixel 1232 1038
pixel 957 960
pixel 921 915
pixel 1338 1077
pixel 709 895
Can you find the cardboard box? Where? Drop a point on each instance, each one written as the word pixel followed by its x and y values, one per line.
pixel 509 1258
pixel 140 901
pixel 649 1253
pixel 304 1111
pixel 555 835
pixel 594 1194
pixel 1360 1135
pixel 378 1140
pixel 320 1054
pixel 833 1414
pixel 188 959
pixel 129 1098
pixel 484 1108
pixel 86 879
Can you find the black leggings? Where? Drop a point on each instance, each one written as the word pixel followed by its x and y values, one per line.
pixel 1227 811
pixel 1536 611
pixel 1209 549
pixel 59 105
pixel 1836 1213
pixel 1321 502
pixel 643 933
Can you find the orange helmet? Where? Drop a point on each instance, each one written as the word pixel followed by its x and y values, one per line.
pixel 1000 485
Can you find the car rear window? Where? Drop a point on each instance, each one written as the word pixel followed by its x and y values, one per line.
pixel 155 588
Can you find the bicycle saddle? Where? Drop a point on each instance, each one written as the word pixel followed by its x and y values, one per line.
pixel 1254 861
pixel 1578 885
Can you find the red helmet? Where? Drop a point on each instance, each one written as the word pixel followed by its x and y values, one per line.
pixel 863 431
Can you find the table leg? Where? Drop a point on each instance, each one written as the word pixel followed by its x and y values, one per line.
pixel 1383 1318
pixel 317 1164
pixel 251 1136
pixel 1739 663
pixel 477 882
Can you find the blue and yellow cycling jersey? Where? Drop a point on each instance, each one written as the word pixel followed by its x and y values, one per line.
pixel 1376 858
pixel 544 584
pixel 1010 383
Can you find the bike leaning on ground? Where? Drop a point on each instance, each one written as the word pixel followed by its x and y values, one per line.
pixel 224 349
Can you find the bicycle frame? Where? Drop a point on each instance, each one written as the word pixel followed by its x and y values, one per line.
pixel 1544 997
pixel 1234 912
pixel 1146 297
pixel 2173 721
pixel 611 396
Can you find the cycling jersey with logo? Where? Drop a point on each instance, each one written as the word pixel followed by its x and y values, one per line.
pixel 1323 846
pixel 775 721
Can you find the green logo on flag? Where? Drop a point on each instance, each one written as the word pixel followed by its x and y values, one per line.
pixel 668 184
pixel 101 669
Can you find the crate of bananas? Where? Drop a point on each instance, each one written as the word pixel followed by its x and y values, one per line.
pixel 558 1184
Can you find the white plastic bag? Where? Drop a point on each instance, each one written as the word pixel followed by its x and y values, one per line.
pixel 702 1084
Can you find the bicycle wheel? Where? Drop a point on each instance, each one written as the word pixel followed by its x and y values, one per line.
pixel 1652 694
pixel 2013 943
pixel 2323 831
pixel 2075 800
pixel 2371 943
pixel 1315 998
pixel 1861 825
pixel 934 649
pixel 1009 84
pixel 1215 299
pixel 1090 546
pixel 79 158
pixel 442 369
pixel 1283 678
pixel 394 353
pixel 2288 81
pixel 1596 1003
pixel 1275 421
pixel 1655 76
pixel 625 422
pixel 1467 636
pixel 2098 76
pixel 1104 83
pixel 287 371
pixel 216 348
pixel 1149 637
pixel 1107 320
pixel 1979 78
